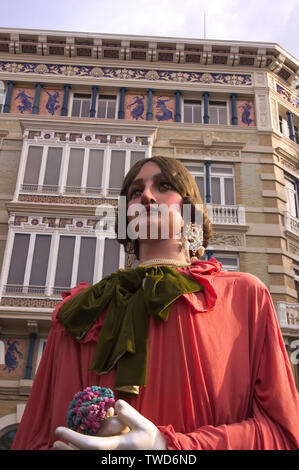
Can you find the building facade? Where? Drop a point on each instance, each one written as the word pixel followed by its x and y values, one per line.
pixel 80 109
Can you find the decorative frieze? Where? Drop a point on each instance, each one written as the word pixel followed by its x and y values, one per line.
pixel 40 223
pixel 225 239
pixel 28 302
pixel 121 73
pixel 292 98
pixel 83 201
pixel 58 137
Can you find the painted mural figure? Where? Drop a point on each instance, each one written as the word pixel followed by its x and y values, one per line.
pixel 164 113
pixel 246 114
pixel 26 101
pixel 53 102
pixel 137 112
pixel 12 355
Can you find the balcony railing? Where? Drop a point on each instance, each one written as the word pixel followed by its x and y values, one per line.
pixel 24 290
pixel 288 315
pixel 219 214
pixel 78 190
pixel 291 223
pixel 33 291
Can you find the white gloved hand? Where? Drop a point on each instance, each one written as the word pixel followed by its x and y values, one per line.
pixel 141 435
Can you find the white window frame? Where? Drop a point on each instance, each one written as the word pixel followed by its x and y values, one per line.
pixel 116 105
pixel 222 176
pixel 201 106
pixel 29 259
pixel 283 126
pixel 49 288
pixel 198 166
pixel 40 184
pixel 73 93
pixel 224 256
pixel 291 193
pixel 4 99
pixel 66 148
pixel 227 112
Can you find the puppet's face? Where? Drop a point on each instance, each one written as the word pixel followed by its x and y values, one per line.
pixel 158 204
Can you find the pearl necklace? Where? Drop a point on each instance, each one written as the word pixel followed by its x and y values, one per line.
pixel 164 262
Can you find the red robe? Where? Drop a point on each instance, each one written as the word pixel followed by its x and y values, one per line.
pixel 218 373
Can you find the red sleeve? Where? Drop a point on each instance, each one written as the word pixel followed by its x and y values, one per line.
pixel 52 388
pixel 274 420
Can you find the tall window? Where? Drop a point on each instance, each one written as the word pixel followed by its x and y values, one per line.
pixel 81 105
pixel 111 256
pixel 296 279
pixel 34 269
pixel 74 175
pixel 222 185
pixel 107 107
pixel 117 171
pixel 77 169
pixel 192 111
pixel 283 126
pixel 197 172
pixel 29 262
pixel 296 130
pixel 43 168
pixel 291 195
pixel 48 263
pixel 75 261
pixel 229 262
pixel 218 112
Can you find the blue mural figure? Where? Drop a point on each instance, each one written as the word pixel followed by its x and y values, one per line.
pixel 12 355
pixel 26 101
pixel 246 113
pixel 137 112
pixel 53 102
pixel 164 113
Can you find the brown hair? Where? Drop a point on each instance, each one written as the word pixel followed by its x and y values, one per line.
pixel 183 182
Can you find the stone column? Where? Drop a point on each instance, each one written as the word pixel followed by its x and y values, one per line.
pixel 94 95
pixel 206 117
pixel 208 182
pixel 234 109
pixel 65 99
pixel 10 85
pixel 32 339
pixel 121 111
pixel 149 114
pixel 178 95
pixel 291 126
pixel 37 97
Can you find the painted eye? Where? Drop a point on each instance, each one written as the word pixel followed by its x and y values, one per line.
pixel 165 186
pixel 135 193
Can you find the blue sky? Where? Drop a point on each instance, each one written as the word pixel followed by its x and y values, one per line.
pixel 272 21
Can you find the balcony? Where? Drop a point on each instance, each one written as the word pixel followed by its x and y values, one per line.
pixel 219 214
pixel 291 223
pixel 288 316
pixel 33 291
pixel 69 190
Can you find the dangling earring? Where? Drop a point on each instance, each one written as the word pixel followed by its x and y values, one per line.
pixel 193 236
pixel 130 254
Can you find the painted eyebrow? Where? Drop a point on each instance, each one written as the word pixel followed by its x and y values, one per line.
pixel 140 180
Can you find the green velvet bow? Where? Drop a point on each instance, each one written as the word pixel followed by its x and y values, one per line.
pixel 131 295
